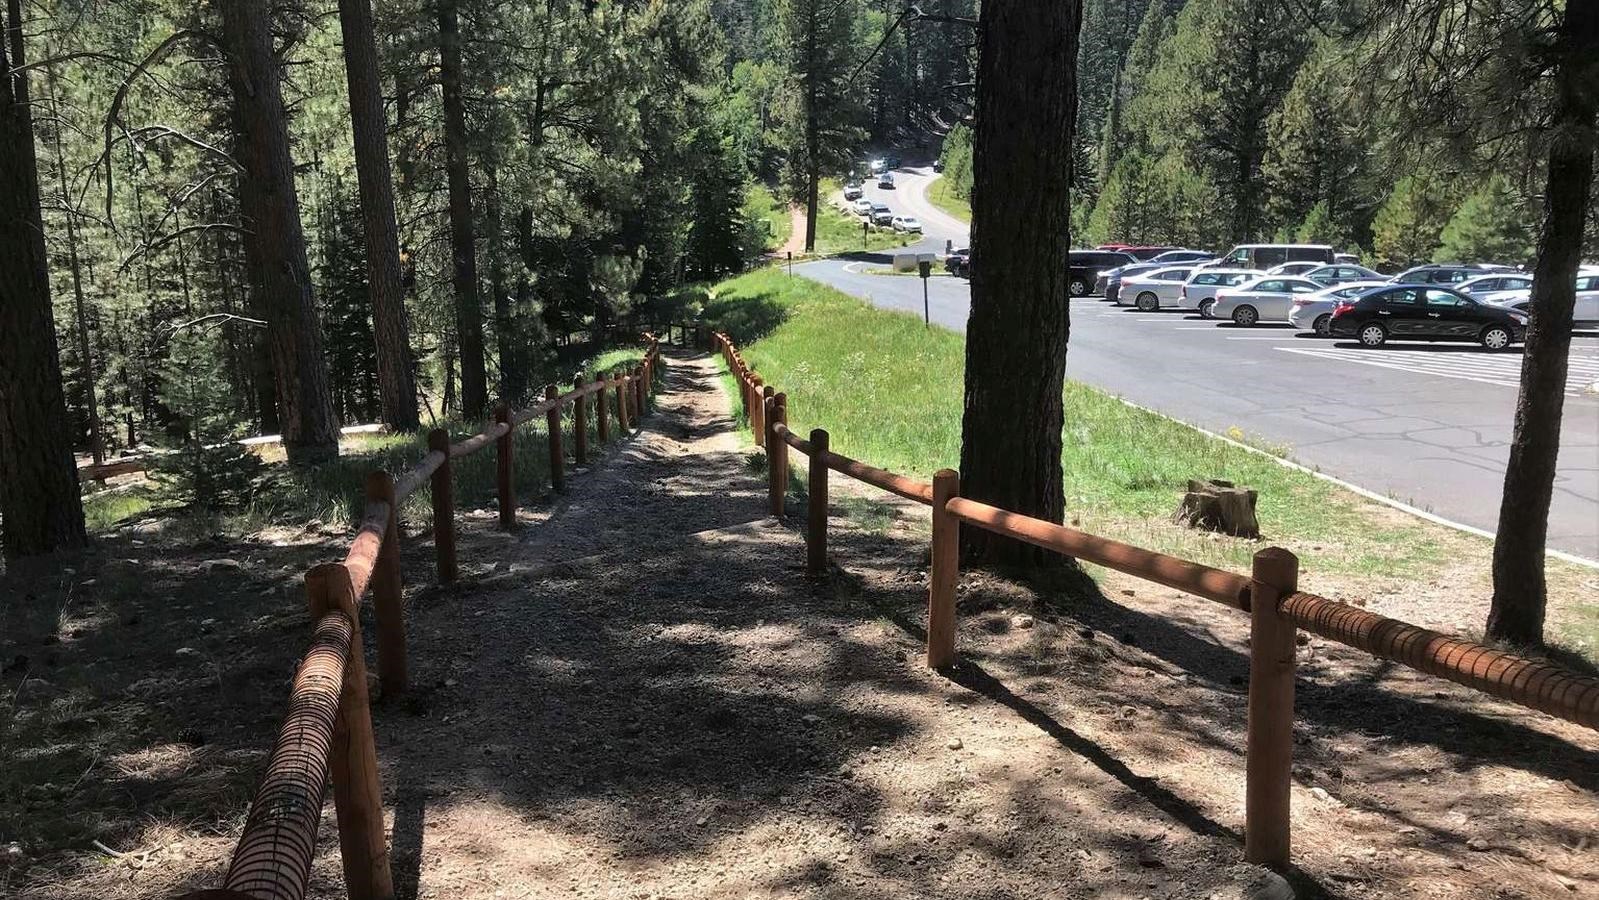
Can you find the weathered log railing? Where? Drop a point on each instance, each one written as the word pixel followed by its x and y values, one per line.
pixel 328 729
pixel 1270 594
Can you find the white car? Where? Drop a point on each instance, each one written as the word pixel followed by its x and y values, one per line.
pixel 1266 299
pixel 1313 312
pixel 1342 273
pixel 853 192
pixel 1151 290
pixel 1585 312
pixel 1295 268
pixel 863 207
pixel 886 180
pixel 907 224
pixel 1200 290
pixel 1494 283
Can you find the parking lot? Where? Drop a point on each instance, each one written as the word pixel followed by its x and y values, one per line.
pixel 1425 424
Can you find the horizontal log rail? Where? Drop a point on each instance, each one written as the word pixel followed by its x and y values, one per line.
pixel 328 729
pixel 1269 594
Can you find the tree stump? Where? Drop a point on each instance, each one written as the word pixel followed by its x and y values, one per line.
pixel 1217 505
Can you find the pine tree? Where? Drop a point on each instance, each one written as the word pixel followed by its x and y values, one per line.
pixel 1406 228
pixel 1493 224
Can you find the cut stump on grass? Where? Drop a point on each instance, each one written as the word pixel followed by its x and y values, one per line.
pixel 1217 505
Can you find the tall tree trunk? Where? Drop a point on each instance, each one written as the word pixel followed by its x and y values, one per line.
pixel 393 339
pixel 271 211
pixel 1520 596
pixel 468 315
pixel 1018 327
pixel 503 340
pixel 40 509
pixel 79 302
pixel 813 140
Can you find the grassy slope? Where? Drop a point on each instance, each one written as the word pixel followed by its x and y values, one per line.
pixel 838 232
pixel 888 390
pixel 942 197
pixel 761 205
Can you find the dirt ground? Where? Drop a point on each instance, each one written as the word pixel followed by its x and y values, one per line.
pixel 640 694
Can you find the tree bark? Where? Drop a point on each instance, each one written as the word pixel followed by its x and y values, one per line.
pixel 468 315
pixel 79 302
pixel 271 211
pixel 503 340
pixel 1018 327
pixel 1520 594
pixel 40 509
pixel 396 385
pixel 813 140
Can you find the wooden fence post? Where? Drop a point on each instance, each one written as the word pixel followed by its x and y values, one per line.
pixel 1268 768
pixel 552 420
pixel 504 466
pixel 640 396
pixel 944 573
pixel 621 404
pixel 602 413
pixel 763 393
pixel 353 758
pixel 580 423
pixel 388 603
pixel 443 490
pixel 816 509
pixel 776 452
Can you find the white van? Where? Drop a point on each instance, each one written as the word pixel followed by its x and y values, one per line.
pixel 1266 256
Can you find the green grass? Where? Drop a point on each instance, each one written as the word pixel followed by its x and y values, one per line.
pixel 889 392
pixel 763 207
pixel 942 196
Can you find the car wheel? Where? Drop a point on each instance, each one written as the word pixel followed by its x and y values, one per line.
pixel 1246 316
pixel 1205 306
pixel 1373 335
pixel 1077 287
pixel 1147 302
pixel 1323 325
pixel 1496 337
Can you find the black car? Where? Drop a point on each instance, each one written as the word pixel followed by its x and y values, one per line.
pixel 1083 268
pixel 1447 273
pixel 1425 312
pixel 959 262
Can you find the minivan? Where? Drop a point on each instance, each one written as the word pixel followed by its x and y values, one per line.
pixel 1265 256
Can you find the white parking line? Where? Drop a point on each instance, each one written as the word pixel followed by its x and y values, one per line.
pixel 1501 371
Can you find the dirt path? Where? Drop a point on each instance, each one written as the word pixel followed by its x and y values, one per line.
pixel 796 233
pixel 639 694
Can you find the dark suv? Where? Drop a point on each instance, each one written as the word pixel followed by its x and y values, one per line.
pixel 1083 268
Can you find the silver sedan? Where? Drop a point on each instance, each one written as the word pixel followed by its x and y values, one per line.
pixel 1152 290
pixel 1265 299
pixel 1313 312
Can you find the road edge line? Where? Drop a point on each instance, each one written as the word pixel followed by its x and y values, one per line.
pixel 1364 492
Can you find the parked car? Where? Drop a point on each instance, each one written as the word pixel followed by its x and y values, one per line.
pixel 1200 290
pixel 1266 299
pixel 1313 312
pixel 863 207
pixel 891 163
pixel 885 181
pixel 1483 285
pixel 1428 313
pixel 907 224
pixel 1342 273
pixel 1148 254
pixel 1446 273
pixel 1160 287
pixel 938 165
pixel 1349 258
pixel 1584 312
pixel 1293 268
pixel 955 263
pixel 1083 268
pixel 853 191
pixel 881 214
pixel 1264 256
pixel 1113 277
pixel 1173 257
pixel 876 166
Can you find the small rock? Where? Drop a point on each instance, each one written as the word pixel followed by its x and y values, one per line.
pixel 212 565
pixel 1320 794
pixel 954 744
pixel 940 826
pixel 1128 592
pixel 1086 634
pixel 702 821
pixel 450 682
pixel 185 651
pixel 1022 622
pixel 1479 845
pixel 1269 886
pixel 810 718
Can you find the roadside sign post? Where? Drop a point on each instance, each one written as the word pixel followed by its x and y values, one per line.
pixel 925 269
pixel 791 263
pixel 865 227
pixel 949 246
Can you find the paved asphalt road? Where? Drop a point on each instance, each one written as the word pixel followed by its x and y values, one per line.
pixel 1427 424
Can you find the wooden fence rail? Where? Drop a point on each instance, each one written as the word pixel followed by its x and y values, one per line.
pixel 328 729
pixel 1270 594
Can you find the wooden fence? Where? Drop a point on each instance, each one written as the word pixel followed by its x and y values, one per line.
pixel 1269 594
pixel 328 729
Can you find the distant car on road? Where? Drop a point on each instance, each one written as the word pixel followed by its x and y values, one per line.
pixel 863 207
pixel 938 165
pixel 1447 273
pixel 1200 290
pixel 853 191
pixel 885 181
pixel 956 262
pixel 1342 273
pixel 1425 312
pixel 1083 268
pixel 1266 299
pixel 876 166
pixel 1483 285
pixel 1313 312
pixel 881 214
pixel 907 224
pixel 891 163
pixel 1152 290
